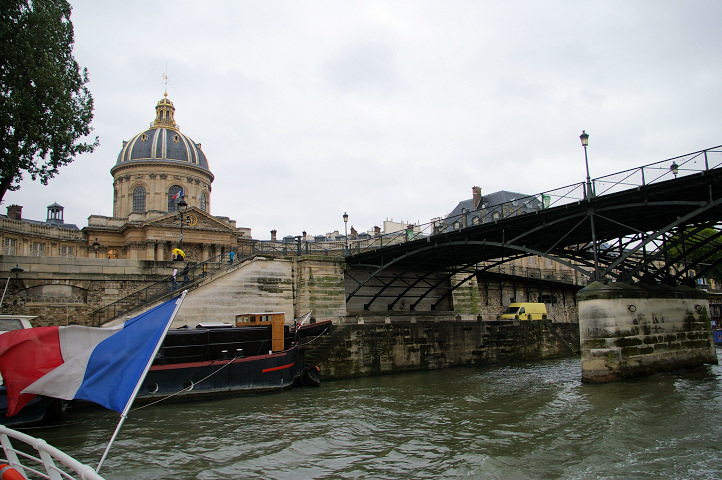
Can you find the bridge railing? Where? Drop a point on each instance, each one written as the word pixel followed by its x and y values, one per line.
pixel 659 171
pixel 647 174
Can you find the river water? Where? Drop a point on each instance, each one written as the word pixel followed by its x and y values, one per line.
pixel 524 421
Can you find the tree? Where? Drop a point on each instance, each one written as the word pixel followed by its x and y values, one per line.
pixel 45 105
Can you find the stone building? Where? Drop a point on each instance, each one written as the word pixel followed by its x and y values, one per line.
pixel 155 170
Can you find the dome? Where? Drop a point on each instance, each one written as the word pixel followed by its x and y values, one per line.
pixel 163 141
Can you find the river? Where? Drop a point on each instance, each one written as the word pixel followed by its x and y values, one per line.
pixel 522 421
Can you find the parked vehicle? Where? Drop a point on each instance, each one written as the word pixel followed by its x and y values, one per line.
pixel 15 322
pixel 525 311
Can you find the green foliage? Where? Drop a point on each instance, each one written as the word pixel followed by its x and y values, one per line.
pixel 45 105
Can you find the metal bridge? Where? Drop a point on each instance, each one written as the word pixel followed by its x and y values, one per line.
pixel 649 223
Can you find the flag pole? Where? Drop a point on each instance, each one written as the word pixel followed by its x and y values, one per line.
pixel 124 414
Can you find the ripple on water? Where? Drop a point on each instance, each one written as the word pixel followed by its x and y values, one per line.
pixel 534 421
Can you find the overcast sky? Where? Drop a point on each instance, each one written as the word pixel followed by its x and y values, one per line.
pixel 393 109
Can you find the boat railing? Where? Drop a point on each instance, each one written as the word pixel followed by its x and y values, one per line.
pixel 44 463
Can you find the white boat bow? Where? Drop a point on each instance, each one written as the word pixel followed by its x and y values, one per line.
pixel 45 464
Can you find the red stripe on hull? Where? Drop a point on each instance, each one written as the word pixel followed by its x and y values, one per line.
pixel 265 370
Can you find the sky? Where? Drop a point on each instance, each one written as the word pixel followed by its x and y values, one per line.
pixel 390 110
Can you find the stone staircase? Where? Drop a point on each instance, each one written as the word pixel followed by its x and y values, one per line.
pixel 320 350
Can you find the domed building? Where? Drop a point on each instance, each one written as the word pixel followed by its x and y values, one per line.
pixel 157 164
pixel 158 170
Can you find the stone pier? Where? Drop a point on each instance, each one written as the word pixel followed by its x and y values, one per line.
pixel 628 330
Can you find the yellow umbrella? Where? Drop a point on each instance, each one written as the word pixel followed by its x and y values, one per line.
pixel 178 251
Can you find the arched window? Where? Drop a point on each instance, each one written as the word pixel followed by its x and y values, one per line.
pixel 174 191
pixel 112 253
pixel 139 199
pixel 203 202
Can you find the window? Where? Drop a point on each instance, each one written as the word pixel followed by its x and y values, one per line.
pixel 139 199
pixel 203 202
pixel 532 261
pixel 10 246
pixel 173 202
pixel 38 249
pixel 112 253
pixel 66 251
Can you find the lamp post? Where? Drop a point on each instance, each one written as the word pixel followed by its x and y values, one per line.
pixel 182 206
pixel 17 271
pixel 345 230
pixel 584 137
pixel 96 246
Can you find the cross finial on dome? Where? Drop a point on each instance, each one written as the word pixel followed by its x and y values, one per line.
pixel 164 76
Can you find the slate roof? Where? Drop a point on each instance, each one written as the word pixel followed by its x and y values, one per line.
pixel 490 208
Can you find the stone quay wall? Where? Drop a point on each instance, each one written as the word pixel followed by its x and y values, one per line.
pixel 66 290
pixel 398 345
pixel 635 330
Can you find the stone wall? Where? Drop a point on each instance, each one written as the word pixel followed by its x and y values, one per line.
pixel 634 330
pixel 352 350
pixel 489 296
pixel 66 290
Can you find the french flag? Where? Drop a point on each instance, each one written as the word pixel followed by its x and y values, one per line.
pixel 177 195
pixel 100 365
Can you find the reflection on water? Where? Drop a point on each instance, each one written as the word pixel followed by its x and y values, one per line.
pixel 521 421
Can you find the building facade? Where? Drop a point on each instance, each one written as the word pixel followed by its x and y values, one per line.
pixel 161 187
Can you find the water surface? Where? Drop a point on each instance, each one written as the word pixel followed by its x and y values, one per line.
pixel 525 421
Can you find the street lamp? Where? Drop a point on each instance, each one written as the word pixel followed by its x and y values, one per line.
pixel 674 168
pixel 345 229
pixel 17 271
pixel 96 246
pixel 584 137
pixel 182 207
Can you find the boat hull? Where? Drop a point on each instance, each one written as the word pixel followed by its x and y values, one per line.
pixel 40 410
pixel 237 376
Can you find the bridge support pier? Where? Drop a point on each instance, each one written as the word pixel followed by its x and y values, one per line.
pixel 629 331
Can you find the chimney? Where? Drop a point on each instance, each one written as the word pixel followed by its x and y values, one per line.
pixel 476 196
pixel 273 235
pixel 377 231
pixel 15 212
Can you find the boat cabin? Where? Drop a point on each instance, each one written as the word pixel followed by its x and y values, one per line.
pixel 275 320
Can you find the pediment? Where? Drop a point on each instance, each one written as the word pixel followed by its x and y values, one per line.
pixel 194 218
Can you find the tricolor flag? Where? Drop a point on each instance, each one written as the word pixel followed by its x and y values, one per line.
pixel 101 365
pixel 177 195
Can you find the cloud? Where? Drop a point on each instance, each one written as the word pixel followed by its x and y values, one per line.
pixel 391 109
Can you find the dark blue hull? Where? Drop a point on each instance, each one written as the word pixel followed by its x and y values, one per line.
pixel 193 380
pixel 40 410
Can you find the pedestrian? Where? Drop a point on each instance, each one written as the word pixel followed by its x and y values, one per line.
pixel 231 255
pixel 173 281
pixel 184 272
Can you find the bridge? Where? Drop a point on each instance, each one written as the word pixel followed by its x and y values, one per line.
pixel 649 223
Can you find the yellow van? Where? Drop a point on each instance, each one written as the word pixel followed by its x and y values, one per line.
pixel 525 311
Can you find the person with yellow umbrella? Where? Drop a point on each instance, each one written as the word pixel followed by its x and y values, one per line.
pixel 178 254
